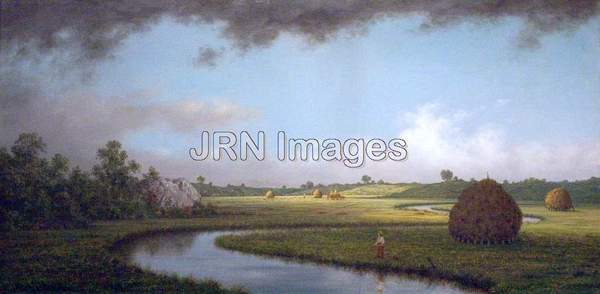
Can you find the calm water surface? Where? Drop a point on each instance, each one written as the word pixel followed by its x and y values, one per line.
pixel 195 255
pixel 431 208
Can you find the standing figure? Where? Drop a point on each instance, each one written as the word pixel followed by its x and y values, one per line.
pixel 380 244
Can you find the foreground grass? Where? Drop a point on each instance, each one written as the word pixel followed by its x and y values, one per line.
pixel 543 264
pixel 80 261
pixel 559 254
pixel 84 260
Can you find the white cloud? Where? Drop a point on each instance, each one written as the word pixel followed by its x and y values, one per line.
pixel 437 139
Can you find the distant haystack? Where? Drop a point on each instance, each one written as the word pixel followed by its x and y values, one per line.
pixel 270 195
pixel 317 193
pixel 485 214
pixel 173 193
pixel 558 199
pixel 335 195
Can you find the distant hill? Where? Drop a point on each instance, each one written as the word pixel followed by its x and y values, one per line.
pixel 231 190
pixel 379 189
pixel 586 191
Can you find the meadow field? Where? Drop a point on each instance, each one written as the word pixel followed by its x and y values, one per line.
pixel 559 254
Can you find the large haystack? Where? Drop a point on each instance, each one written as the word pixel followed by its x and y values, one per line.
pixel 317 193
pixel 485 214
pixel 558 199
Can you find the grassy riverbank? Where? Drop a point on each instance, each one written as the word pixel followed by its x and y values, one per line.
pixel 535 264
pixel 559 254
pixel 82 260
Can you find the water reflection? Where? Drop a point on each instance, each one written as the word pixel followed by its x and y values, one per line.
pixel 380 284
pixel 170 244
pixel 195 255
pixel 431 208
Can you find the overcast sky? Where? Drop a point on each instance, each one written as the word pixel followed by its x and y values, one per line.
pixel 503 92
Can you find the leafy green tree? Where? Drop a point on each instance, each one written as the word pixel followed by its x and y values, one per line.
pixel 118 188
pixel 365 179
pixel 310 185
pixel 33 190
pixel 446 175
pixel 150 196
pixel 200 179
pixel 83 189
pixel 25 185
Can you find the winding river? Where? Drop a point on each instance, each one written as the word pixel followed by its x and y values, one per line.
pixel 194 254
pixel 431 208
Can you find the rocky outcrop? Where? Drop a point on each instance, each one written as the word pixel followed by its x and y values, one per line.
pixel 173 193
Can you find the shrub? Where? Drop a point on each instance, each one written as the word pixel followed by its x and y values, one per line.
pixel 558 199
pixel 317 193
pixel 485 214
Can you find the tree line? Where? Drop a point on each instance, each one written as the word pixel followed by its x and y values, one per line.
pixel 37 192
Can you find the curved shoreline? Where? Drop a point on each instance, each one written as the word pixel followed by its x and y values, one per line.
pixel 465 281
pixel 527 218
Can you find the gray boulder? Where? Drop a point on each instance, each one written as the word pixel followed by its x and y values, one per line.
pixel 173 193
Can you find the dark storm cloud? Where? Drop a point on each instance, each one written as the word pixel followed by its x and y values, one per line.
pixel 78 33
pixel 207 57
pixel 78 123
pixel 97 27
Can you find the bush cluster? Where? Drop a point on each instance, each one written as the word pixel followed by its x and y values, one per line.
pixel 41 193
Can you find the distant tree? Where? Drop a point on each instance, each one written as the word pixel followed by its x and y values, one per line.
pixel 446 175
pixel 365 179
pixel 284 187
pixel 472 180
pixel 200 179
pixel 243 185
pixel 505 182
pixel 309 185
pixel 380 182
pixel 455 178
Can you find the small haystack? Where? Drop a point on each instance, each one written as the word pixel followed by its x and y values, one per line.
pixel 317 193
pixel 269 195
pixel 558 199
pixel 335 195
